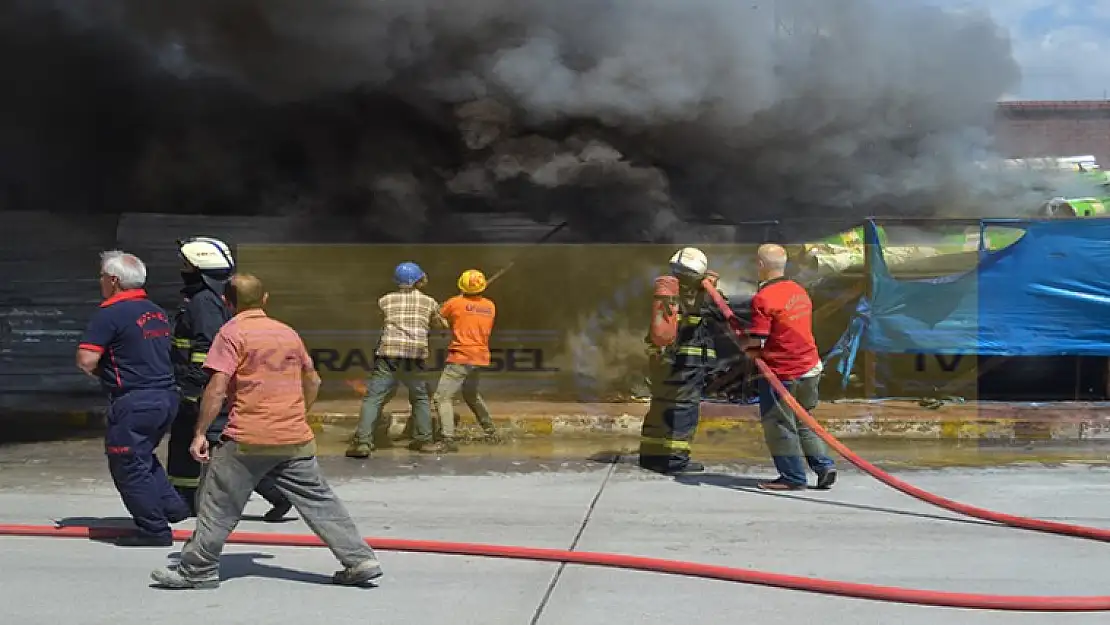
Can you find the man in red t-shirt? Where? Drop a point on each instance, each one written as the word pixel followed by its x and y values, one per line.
pixel 782 335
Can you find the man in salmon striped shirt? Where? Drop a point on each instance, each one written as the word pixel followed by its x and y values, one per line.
pixel 262 367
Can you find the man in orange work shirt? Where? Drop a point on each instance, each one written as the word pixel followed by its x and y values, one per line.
pixel 262 367
pixel 471 318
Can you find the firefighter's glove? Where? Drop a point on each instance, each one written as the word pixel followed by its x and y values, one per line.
pixel 713 277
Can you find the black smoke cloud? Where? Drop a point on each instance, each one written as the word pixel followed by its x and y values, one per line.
pixel 625 116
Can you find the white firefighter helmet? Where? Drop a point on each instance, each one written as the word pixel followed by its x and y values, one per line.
pixel 207 254
pixel 689 261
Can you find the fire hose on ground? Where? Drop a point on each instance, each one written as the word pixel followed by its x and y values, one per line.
pixel 707 571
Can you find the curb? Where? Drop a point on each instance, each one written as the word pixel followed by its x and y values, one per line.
pixel 1064 422
pixel 963 424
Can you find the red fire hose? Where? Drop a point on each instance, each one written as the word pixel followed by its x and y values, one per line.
pixel 1065 529
pixel 691 569
pixel 654 565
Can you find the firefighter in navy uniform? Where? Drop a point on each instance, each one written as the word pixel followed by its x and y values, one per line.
pixel 682 352
pixel 207 266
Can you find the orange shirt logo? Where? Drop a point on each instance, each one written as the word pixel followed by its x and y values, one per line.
pixel 471 320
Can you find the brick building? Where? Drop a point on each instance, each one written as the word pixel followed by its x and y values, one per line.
pixel 1054 128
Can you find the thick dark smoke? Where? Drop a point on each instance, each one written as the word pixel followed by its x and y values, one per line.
pixel 622 115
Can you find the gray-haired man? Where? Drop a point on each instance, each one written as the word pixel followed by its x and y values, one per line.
pixel 127 346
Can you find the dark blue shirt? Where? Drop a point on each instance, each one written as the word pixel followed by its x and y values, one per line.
pixel 133 337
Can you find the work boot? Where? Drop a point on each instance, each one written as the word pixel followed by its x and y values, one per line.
pixel 432 447
pixel 277 513
pixel 826 480
pixel 171 578
pixel 360 448
pixel 689 467
pixel 359 574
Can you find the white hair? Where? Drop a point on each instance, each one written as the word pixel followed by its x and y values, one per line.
pixel 127 268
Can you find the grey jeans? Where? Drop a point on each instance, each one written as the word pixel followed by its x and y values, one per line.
pixel 456 377
pixel 230 478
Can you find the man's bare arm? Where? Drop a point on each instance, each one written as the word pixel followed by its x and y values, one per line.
pixel 438 320
pixel 87 361
pixel 310 384
pixel 215 393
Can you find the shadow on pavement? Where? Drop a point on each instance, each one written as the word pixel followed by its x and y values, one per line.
pixel 101 529
pixel 735 482
pixel 750 484
pixel 258 518
pixel 21 428
pixel 237 565
pixel 92 522
pixel 613 457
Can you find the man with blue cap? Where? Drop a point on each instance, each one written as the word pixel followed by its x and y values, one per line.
pixel 401 357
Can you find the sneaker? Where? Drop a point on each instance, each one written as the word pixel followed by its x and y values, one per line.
pixel 170 578
pixel 358 449
pixel 826 480
pixel 277 513
pixel 359 574
pixel 780 485
pixel 144 540
pixel 491 436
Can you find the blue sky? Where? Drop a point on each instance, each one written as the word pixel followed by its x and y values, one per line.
pixel 1063 46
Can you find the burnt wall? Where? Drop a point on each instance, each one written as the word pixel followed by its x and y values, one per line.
pixel 48 287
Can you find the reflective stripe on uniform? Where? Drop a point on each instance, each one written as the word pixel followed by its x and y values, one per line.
pixel 694 350
pixel 665 443
pixel 185 482
pixel 183 343
pixel 198 357
pixel 689 320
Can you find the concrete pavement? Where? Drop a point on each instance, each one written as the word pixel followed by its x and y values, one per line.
pixel 861 531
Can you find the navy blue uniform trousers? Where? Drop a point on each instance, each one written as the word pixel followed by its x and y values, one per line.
pixel 672 417
pixel 137 422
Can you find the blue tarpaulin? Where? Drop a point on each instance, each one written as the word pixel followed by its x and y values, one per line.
pixel 1048 294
